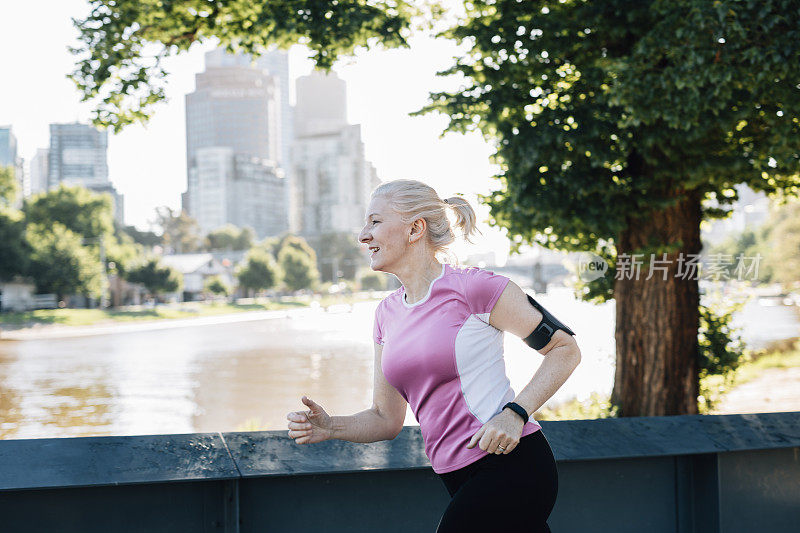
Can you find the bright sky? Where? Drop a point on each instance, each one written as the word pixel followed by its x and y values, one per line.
pixel 148 165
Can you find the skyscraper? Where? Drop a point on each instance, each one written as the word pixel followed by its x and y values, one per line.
pixel 8 146
pixel 233 147
pixel 9 157
pixel 332 178
pixel 39 171
pixel 77 156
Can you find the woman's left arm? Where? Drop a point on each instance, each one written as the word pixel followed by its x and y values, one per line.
pixel 514 313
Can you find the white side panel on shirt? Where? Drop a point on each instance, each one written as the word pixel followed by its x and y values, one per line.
pixel 479 359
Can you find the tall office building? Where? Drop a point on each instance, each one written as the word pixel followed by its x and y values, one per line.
pixel 39 171
pixel 332 178
pixel 276 63
pixel 233 147
pixel 8 146
pixel 9 157
pixel 78 156
pixel 321 105
pixel 238 189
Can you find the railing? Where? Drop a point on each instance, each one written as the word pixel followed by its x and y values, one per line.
pixel 724 473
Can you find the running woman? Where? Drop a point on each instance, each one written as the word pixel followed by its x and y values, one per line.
pixel 439 348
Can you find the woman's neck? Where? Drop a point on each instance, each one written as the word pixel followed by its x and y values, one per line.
pixel 417 280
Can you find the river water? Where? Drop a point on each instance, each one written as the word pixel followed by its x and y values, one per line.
pixel 248 375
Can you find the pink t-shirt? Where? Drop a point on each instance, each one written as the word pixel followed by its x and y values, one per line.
pixel 446 360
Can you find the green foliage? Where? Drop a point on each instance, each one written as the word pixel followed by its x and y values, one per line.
pixel 720 347
pixel 230 237
pixel 157 278
pixel 595 406
pixel 748 244
pixel 14 248
pixel 299 268
pixel 604 112
pixel 180 232
pixel 782 247
pixel 80 210
pixel 777 241
pixel 259 271
pixel 123 44
pixel 144 238
pixel 297 243
pixel 340 249
pixel 217 286
pixel 60 264
pixel 9 186
pixel 372 281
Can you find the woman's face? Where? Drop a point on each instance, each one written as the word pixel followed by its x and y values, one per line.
pixel 384 234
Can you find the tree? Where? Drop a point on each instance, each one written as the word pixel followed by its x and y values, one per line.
pixel 216 286
pixel 89 215
pixel 372 281
pixel 340 250
pixel 259 271
pixel 60 263
pixel 230 237
pixel 157 278
pixel 14 249
pixel 180 232
pixel 145 238
pixel 117 75
pixel 80 210
pixel 299 244
pixel 783 245
pixel 613 121
pixel 9 186
pixel 299 269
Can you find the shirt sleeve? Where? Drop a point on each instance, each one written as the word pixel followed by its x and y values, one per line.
pixel 377 332
pixel 483 288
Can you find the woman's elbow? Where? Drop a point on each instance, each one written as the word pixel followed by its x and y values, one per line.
pixel 571 352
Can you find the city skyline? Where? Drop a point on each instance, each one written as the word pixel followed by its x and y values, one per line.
pixel 147 163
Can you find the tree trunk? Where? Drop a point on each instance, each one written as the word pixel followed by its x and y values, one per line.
pixel 657 319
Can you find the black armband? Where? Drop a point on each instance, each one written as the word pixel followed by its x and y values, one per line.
pixel 543 333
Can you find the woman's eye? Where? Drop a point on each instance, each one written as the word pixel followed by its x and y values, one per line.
pixel 374 221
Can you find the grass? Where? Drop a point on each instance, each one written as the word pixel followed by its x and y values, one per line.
pixel 87 317
pixel 785 354
pixel 597 405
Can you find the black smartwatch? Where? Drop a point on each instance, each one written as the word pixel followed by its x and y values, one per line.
pixel 517 408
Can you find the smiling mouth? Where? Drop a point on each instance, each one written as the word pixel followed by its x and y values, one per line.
pixel 373 251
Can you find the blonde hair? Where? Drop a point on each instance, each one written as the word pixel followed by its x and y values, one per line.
pixel 413 199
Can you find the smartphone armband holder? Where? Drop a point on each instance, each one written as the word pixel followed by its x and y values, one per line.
pixel 543 333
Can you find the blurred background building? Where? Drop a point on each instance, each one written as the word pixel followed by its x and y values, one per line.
pixel 9 157
pixel 77 156
pixel 332 178
pixel 234 146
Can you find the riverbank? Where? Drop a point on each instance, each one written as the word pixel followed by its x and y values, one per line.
pixel 768 382
pixel 61 323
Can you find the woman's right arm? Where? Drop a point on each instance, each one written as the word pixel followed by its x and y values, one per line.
pixel 383 421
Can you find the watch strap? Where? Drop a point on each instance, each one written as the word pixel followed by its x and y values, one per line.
pixel 517 408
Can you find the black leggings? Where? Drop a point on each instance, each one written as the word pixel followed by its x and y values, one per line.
pixel 515 490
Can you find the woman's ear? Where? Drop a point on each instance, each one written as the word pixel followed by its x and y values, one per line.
pixel 417 229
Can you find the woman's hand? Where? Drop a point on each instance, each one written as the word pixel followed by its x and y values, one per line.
pixel 312 426
pixel 503 429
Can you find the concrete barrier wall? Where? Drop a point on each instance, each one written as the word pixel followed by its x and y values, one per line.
pixel 723 473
